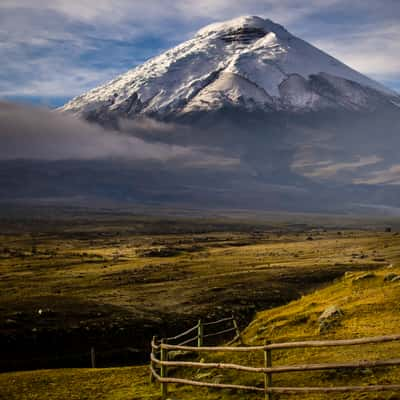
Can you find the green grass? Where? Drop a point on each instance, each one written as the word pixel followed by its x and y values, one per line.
pixel 78 384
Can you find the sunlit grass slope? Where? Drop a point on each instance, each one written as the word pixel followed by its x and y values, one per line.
pixel 370 307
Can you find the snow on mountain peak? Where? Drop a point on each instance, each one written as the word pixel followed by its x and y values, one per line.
pixel 237 24
pixel 248 62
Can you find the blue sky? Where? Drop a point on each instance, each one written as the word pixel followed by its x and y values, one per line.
pixel 52 50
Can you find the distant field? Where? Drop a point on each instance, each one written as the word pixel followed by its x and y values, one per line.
pixel 370 308
pixel 112 281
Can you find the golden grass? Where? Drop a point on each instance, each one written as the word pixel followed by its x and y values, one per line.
pixel 370 307
pixel 78 384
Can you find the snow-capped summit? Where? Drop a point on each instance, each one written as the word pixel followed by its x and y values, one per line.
pixel 247 62
pixel 244 22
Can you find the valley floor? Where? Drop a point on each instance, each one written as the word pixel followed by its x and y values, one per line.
pixel 370 307
pixel 68 284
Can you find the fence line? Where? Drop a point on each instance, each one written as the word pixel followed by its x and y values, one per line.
pixel 334 343
pixel 200 327
pixel 218 322
pixel 289 345
pixel 205 384
pixel 277 370
pixel 283 390
pixel 268 370
pixel 219 333
pixel 189 340
pixel 182 334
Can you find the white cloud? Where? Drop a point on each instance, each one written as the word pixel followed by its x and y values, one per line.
pixel 67 30
pixel 55 80
pixel 327 169
pixel 39 134
pixel 390 175
pixel 114 11
pixel 375 51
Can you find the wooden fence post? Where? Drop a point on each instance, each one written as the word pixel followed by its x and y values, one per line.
pixel 235 325
pixel 200 332
pixel 93 357
pixel 151 361
pixel 268 375
pixel 163 371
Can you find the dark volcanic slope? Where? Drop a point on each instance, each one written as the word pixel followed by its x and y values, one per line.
pixel 283 161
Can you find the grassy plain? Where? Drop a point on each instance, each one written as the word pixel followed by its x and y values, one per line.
pixel 370 307
pixel 113 281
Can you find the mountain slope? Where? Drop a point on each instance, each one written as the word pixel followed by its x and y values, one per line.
pixel 248 62
pixel 249 116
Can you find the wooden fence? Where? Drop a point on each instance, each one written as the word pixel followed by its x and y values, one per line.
pixel 200 332
pixel 163 363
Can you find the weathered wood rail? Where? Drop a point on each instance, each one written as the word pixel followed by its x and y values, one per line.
pixel 163 363
pixel 183 340
pixel 200 335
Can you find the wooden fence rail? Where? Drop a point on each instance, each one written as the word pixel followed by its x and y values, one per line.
pixel 183 334
pixel 276 370
pixel 219 321
pixel 200 329
pixel 289 345
pixel 268 370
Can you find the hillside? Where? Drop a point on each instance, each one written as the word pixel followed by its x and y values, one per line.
pixel 370 307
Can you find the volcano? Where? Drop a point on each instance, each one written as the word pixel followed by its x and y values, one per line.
pixel 248 63
pixel 274 122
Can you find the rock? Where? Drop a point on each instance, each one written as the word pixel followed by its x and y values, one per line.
pixel 389 277
pixel 217 379
pixel 209 377
pixel 204 375
pixel 348 274
pixel 367 275
pixel 329 318
pixel 330 312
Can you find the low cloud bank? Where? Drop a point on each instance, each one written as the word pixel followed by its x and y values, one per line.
pixel 39 134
